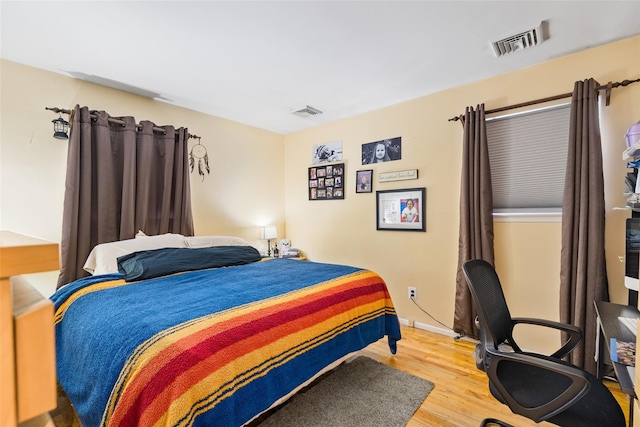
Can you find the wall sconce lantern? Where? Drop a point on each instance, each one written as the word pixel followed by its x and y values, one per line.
pixel 60 128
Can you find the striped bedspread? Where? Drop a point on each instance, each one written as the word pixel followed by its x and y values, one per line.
pixel 211 347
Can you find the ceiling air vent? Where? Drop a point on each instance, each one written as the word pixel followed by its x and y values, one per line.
pixel 518 42
pixel 306 111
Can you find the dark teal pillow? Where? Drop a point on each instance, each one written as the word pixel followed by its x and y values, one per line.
pixel 162 262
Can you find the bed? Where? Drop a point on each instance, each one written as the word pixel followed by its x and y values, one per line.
pixel 211 335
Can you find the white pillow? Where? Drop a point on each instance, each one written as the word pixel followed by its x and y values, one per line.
pixel 207 241
pixel 103 259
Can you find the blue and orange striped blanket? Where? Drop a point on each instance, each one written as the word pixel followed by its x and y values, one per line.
pixel 211 347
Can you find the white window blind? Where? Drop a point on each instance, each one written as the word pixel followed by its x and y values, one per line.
pixel 528 157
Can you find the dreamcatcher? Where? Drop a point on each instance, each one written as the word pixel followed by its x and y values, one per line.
pixel 199 152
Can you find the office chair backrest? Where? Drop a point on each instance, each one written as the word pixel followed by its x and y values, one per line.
pixel 489 300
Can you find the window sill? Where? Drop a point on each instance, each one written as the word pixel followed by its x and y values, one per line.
pixel 528 215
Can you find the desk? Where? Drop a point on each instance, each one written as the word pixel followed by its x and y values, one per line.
pixel 27 343
pixel 610 327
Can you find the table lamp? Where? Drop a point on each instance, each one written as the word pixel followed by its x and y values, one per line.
pixel 267 233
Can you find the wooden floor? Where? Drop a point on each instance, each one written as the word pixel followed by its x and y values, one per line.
pixel 460 397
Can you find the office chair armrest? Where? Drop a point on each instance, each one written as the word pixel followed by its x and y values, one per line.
pixel 579 384
pixel 575 333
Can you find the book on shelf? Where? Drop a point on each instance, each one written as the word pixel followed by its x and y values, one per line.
pixel 623 352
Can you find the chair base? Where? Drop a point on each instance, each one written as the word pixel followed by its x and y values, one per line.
pixel 487 422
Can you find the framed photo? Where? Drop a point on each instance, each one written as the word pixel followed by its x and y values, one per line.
pixel 386 150
pixel 402 210
pixel 326 182
pixel 326 153
pixel 363 181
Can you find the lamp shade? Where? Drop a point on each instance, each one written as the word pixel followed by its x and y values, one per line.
pixel 269 232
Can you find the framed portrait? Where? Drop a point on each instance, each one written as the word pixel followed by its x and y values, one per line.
pixel 386 150
pixel 363 181
pixel 401 210
pixel 326 182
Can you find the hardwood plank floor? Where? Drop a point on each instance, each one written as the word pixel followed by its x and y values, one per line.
pixel 460 397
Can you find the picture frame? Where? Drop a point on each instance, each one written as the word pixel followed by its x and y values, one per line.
pixel 401 210
pixel 385 150
pixel 398 175
pixel 364 182
pixel 326 153
pixel 326 182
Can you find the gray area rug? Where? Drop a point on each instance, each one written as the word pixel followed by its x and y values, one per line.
pixel 360 393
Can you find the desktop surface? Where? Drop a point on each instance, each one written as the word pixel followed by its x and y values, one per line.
pixel 612 327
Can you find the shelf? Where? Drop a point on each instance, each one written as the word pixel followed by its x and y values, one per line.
pixel 626 208
pixel 632 152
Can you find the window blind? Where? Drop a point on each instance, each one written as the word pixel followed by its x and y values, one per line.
pixel 528 157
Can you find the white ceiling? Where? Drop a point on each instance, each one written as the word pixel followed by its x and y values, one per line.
pixel 255 62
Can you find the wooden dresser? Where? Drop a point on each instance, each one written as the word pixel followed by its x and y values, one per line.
pixel 27 342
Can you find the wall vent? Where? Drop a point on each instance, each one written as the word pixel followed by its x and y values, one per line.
pixel 306 111
pixel 523 40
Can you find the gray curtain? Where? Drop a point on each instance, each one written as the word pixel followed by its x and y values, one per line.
pixel 476 214
pixel 120 180
pixel 583 275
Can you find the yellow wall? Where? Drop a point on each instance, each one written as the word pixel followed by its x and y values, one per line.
pixel 243 191
pixel 259 177
pixel 527 254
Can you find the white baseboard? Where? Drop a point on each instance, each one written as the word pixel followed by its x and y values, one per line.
pixel 434 329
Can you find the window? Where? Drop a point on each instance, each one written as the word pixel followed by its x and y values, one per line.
pixel 528 157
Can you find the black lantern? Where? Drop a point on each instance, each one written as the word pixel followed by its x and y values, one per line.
pixel 60 128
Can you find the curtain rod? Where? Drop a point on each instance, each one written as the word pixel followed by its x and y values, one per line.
pixel 606 88
pixel 112 120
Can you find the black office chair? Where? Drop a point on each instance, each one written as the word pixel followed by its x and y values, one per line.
pixel 536 386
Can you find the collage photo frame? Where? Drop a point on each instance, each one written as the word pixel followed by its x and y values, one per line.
pixel 326 182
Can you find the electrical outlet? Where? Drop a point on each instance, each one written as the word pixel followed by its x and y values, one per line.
pixel 410 323
pixel 413 292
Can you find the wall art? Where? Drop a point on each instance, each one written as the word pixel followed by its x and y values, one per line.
pixel 401 210
pixel 326 182
pixel 363 181
pixel 326 153
pixel 386 150
pixel 398 176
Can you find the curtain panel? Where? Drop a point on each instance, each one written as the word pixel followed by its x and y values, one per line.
pixel 476 214
pixel 583 275
pixel 119 180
